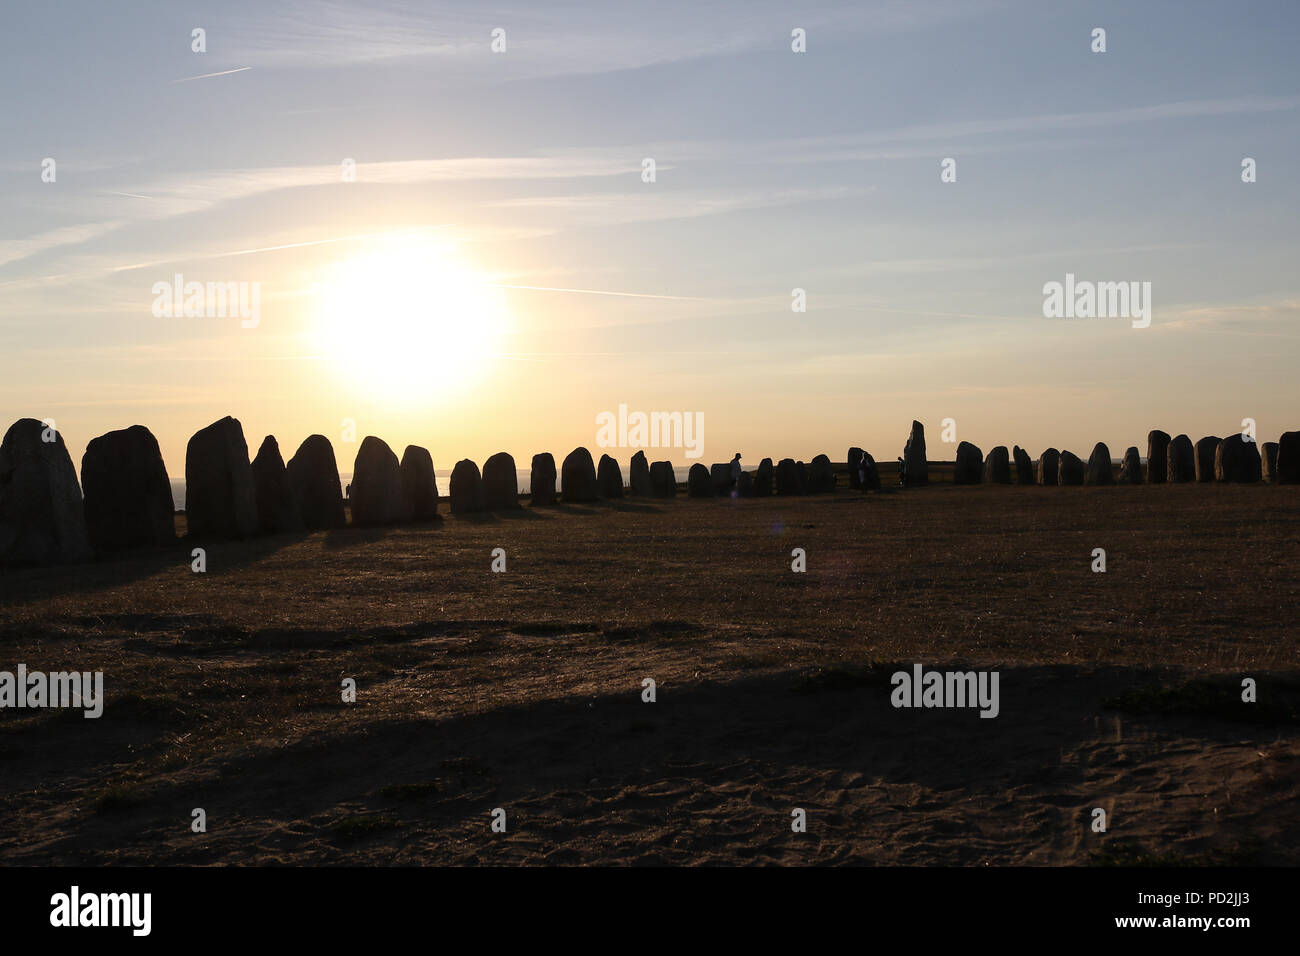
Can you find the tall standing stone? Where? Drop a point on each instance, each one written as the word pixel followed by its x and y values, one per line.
pixel 698 483
pixel 821 476
pixel 1288 459
pixel 997 467
pixel 763 479
pixel 465 489
pixel 918 468
pixel 1024 466
pixel 1268 461
pixel 720 479
pixel 1157 457
pixel 1070 471
pixel 1181 465
pixel 1130 472
pixel 663 479
pixel 578 477
pixel 501 482
pixel 609 476
pixel 128 495
pixel 639 482
pixel 1206 449
pixel 1100 470
pixel 541 480
pixel 219 483
pixel 871 481
pixel 855 457
pixel 1237 460
pixel 968 469
pixel 42 519
pixel 1049 467
pixel 377 485
pixel 313 477
pixel 276 509
pixel 787 478
pixel 419 483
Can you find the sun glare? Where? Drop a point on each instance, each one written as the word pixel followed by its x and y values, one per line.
pixel 407 322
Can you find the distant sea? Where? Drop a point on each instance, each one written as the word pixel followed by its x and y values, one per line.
pixel 523 478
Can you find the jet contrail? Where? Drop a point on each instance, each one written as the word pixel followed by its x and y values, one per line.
pixel 204 76
pixel 633 295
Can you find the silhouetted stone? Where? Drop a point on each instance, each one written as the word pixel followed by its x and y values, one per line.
pixel 1049 467
pixel 376 496
pixel 855 456
pixel 663 480
pixel 720 479
pixel 609 477
pixel 578 477
pixel 639 482
pixel 42 520
pixel 1070 470
pixel 787 478
pixel 1130 471
pixel 276 509
pixel 419 484
pixel 821 476
pixel 763 479
pixel 1288 459
pixel 997 466
pixel 802 471
pixel 500 483
pixel 541 480
pixel 1024 466
pixel 1268 461
pixel 219 483
pixel 745 485
pixel 698 484
pixel 871 481
pixel 128 497
pixel 466 489
pixel 1181 465
pixel 968 469
pixel 918 469
pixel 1237 460
pixel 1206 449
pixel 1157 457
pixel 313 477
pixel 1100 469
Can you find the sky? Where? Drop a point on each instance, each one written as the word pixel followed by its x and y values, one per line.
pixel 457 247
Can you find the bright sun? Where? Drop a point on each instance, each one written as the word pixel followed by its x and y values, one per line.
pixel 408 321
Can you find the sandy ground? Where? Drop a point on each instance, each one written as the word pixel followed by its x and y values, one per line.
pixel 522 690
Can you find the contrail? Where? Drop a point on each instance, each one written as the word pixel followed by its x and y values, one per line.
pixel 632 295
pixel 129 195
pixel 204 76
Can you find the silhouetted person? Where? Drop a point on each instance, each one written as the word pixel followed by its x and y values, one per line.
pixel 735 470
pixel 902 471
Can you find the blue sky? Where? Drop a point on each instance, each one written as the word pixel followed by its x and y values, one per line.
pixel 776 170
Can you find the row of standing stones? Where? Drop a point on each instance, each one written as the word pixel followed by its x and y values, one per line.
pixel 127 502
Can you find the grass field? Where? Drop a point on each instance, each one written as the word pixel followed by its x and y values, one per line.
pixel 522 690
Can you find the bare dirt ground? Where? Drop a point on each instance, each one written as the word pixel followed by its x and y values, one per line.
pixel 522 690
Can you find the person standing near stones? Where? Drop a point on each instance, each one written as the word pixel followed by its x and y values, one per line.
pixel 735 470
pixel 902 471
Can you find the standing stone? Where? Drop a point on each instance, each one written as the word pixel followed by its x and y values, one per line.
pixel 1181 466
pixel 663 479
pixel 1049 467
pixel 1100 470
pixel 128 497
pixel 969 466
pixel 313 477
pixel 1157 457
pixel 1206 449
pixel 377 485
pixel 500 483
pixel 1024 467
pixel 720 479
pixel 219 483
pixel 787 478
pixel 698 484
pixel 1288 459
pixel 609 476
pixel 872 480
pixel 745 485
pixel 855 457
pixel 1070 471
pixel 1237 460
pixel 763 479
pixel 639 482
pixel 276 509
pixel 821 476
pixel 1130 472
pixel 578 477
pixel 419 484
pixel 42 519
pixel 1268 461
pixel 802 471
pixel 466 489
pixel 997 466
pixel 541 480
pixel 918 469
